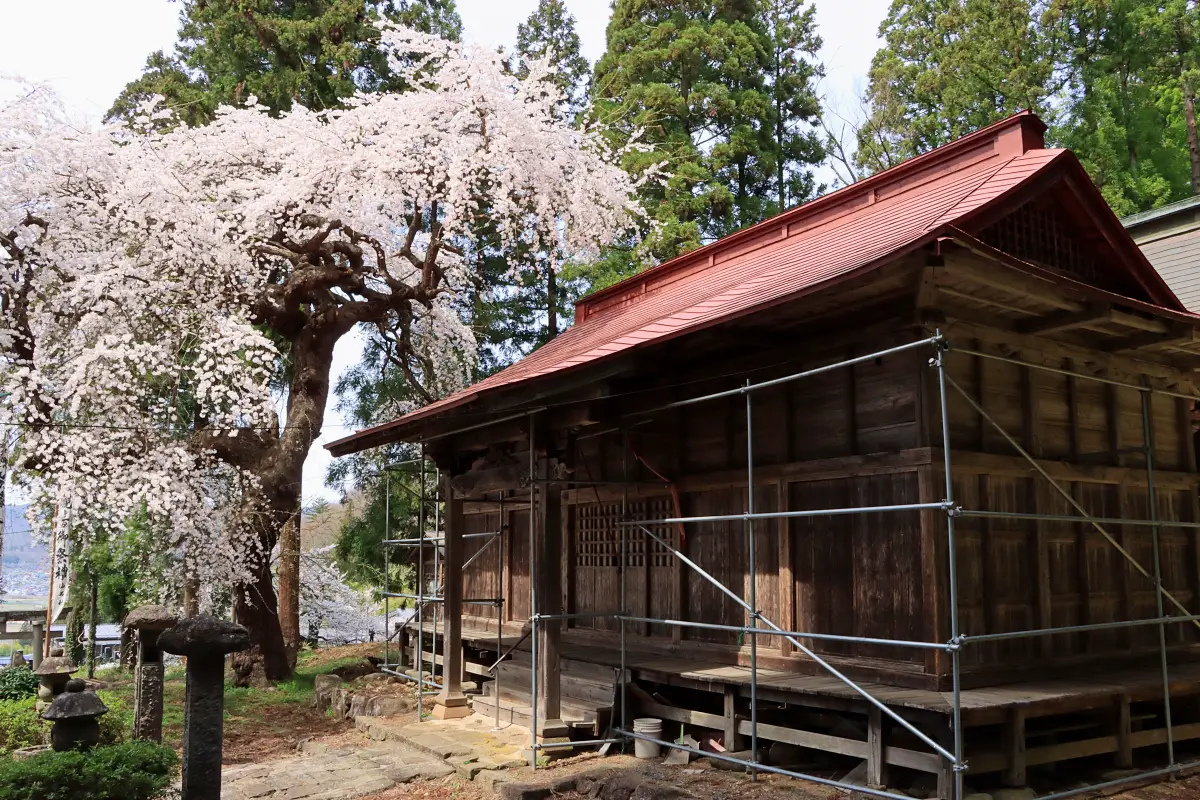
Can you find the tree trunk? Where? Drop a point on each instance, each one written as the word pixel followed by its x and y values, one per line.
pixel 191 597
pixel 289 587
pixel 551 302
pixel 92 614
pixel 1189 104
pixel 255 606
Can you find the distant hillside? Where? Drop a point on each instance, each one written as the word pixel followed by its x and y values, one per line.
pixel 321 528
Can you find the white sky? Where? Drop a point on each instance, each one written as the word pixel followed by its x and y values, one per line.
pixel 89 49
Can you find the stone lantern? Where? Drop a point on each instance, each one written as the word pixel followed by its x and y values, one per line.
pixel 53 674
pixel 149 622
pixel 75 715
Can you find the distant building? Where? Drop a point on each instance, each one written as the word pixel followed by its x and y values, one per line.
pixel 1170 238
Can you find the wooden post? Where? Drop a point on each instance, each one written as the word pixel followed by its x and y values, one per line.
pixel 549 631
pixel 876 766
pixel 787 579
pixel 1014 774
pixel 733 739
pixel 1124 733
pixel 451 702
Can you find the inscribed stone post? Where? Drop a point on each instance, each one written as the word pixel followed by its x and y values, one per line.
pixel 205 641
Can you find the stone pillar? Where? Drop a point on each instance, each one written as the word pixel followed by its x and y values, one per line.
pixel 39 643
pixel 550 725
pixel 205 641
pixel 148 622
pixel 451 702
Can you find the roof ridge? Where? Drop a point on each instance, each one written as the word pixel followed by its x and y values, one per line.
pixel 1025 122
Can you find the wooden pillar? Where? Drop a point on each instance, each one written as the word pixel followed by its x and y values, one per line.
pixel 550 594
pixel 1124 733
pixel 876 766
pixel 733 740
pixel 451 702
pixel 1014 774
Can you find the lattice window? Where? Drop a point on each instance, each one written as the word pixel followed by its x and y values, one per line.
pixel 1040 234
pixel 598 534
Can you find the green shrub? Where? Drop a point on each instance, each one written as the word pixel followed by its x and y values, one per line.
pixel 133 771
pixel 117 725
pixel 20 725
pixel 17 682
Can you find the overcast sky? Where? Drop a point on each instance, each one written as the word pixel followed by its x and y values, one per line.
pixel 89 49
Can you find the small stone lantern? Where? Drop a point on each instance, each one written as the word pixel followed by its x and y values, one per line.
pixel 53 674
pixel 75 715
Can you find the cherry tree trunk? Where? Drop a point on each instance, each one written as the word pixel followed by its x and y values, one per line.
pixel 255 607
pixel 289 587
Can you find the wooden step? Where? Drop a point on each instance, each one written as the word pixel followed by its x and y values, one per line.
pixel 516 710
pixel 587 670
pixel 582 691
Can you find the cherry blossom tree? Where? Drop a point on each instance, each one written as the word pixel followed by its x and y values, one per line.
pixel 171 296
pixel 342 613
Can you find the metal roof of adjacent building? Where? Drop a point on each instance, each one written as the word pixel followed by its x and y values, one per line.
pixel 854 229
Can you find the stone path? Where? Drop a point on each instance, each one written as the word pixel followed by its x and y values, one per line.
pixel 470 745
pixel 327 773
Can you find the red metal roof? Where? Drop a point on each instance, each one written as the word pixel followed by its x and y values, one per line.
pixel 855 228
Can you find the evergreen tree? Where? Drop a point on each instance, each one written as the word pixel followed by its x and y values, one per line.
pixel 689 77
pixel 1172 31
pixel 791 27
pixel 949 67
pixel 311 52
pixel 1123 122
pixel 550 33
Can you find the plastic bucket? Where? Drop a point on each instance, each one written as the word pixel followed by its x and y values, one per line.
pixel 647 726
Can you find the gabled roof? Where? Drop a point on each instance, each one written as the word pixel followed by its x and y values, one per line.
pixel 845 233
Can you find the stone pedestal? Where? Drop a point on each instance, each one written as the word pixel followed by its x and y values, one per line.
pixel 451 705
pixel 148 622
pixel 205 641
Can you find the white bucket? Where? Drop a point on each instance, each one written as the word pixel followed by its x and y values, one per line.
pixel 647 726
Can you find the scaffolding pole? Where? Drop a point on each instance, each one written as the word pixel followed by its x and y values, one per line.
pixel 939 361
pixel 1152 503
pixel 753 610
pixel 533 648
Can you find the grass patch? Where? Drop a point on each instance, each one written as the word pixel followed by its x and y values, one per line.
pixel 257 721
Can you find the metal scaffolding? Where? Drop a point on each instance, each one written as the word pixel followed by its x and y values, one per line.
pixel 757 624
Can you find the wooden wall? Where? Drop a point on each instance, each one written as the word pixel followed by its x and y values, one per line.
pixel 869 436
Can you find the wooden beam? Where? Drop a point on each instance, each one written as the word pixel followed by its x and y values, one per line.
pixel 1066 320
pixel 1178 334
